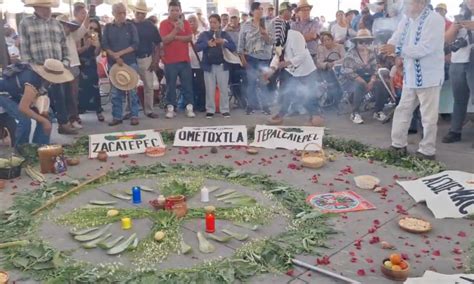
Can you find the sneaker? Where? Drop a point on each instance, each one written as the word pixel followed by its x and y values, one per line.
pixel 356 118
pixel 134 121
pixel 452 137
pixel 422 156
pixel 76 125
pixel 275 120
pixel 66 129
pixel 209 115
pixel 226 114
pixel 115 122
pixel 170 111
pixel 189 111
pixel 380 116
pixel 153 115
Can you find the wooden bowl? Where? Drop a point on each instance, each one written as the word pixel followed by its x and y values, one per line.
pixel 73 161
pixel 421 226
pixel 401 275
pixel 252 151
pixel 4 277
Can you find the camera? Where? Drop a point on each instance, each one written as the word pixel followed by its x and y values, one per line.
pixel 458 44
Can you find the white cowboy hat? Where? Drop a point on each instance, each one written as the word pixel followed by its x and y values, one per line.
pixel 141 7
pixel 123 77
pixel 53 71
pixel 303 4
pixel 42 3
pixel 363 34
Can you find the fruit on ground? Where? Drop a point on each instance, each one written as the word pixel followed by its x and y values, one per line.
pixel 396 268
pixel 395 258
pixel 403 265
pixel 159 236
pixel 112 213
pixel 388 264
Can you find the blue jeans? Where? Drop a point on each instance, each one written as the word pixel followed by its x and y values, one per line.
pixel 254 72
pixel 183 70
pixel 118 97
pixel 23 128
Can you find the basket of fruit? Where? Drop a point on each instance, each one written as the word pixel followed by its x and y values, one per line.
pixel 10 167
pixel 395 267
pixel 414 225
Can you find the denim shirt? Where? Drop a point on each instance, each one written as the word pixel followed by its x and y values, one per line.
pixel 201 45
pixel 15 85
pixel 119 37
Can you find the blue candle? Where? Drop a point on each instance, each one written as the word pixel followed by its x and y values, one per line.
pixel 136 195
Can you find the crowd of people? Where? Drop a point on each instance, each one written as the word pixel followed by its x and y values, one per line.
pixel 258 58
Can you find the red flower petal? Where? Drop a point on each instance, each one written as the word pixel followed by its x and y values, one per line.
pixel 353 260
pixel 369 260
pixel 361 272
pixel 436 253
pixel 457 251
pixel 462 234
pixel 290 272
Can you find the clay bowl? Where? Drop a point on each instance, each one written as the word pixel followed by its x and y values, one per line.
pixel 73 161
pixel 395 275
pixel 4 277
pixel 252 151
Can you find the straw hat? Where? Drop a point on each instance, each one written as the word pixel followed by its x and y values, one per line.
pixel 363 34
pixel 303 4
pixel 442 6
pixel 141 7
pixel 42 3
pixel 65 20
pixel 123 77
pixel 53 71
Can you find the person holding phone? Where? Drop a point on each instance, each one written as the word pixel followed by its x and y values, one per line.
pixel 176 34
pixel 255 50
pixel 460 39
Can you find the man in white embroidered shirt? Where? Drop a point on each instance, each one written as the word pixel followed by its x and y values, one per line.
pixel 419 40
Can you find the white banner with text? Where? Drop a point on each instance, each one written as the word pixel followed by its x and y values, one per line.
pixel 124 143
pixel 449 194
pixel 232 135
pixel 288 137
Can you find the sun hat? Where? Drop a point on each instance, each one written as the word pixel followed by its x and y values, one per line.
pixel 123 77
pixel 65 20
pixel 303 4
pixel 42 3
pixel 363 34
pixel 284 6
pixel 442 6
pixel 141 7
pixel 53 71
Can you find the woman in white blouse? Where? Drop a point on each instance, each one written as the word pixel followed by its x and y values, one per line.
pixel 341 30
pixel 297 76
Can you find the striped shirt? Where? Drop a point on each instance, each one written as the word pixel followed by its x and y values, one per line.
pixel 41 39
pixel 279 35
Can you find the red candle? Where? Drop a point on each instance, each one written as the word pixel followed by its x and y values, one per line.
pixel 210 219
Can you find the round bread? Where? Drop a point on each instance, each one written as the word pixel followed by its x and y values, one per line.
pixel 155 151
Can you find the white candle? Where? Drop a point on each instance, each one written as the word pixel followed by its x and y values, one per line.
pixel 204 194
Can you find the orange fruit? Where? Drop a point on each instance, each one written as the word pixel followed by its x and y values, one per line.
pixel 403 265
pixel 396 268
pixel 395 258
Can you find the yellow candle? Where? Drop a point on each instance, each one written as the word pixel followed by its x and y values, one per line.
pixel 126 223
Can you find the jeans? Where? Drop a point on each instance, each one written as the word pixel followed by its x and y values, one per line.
pixel 23 128
pixel 254 72
pixel 183 71
pixel 220 77
pixel 462 81
pixel 57 95
pixel 118 97
pixel 199 89
pixel 294 89
pixel 428 100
